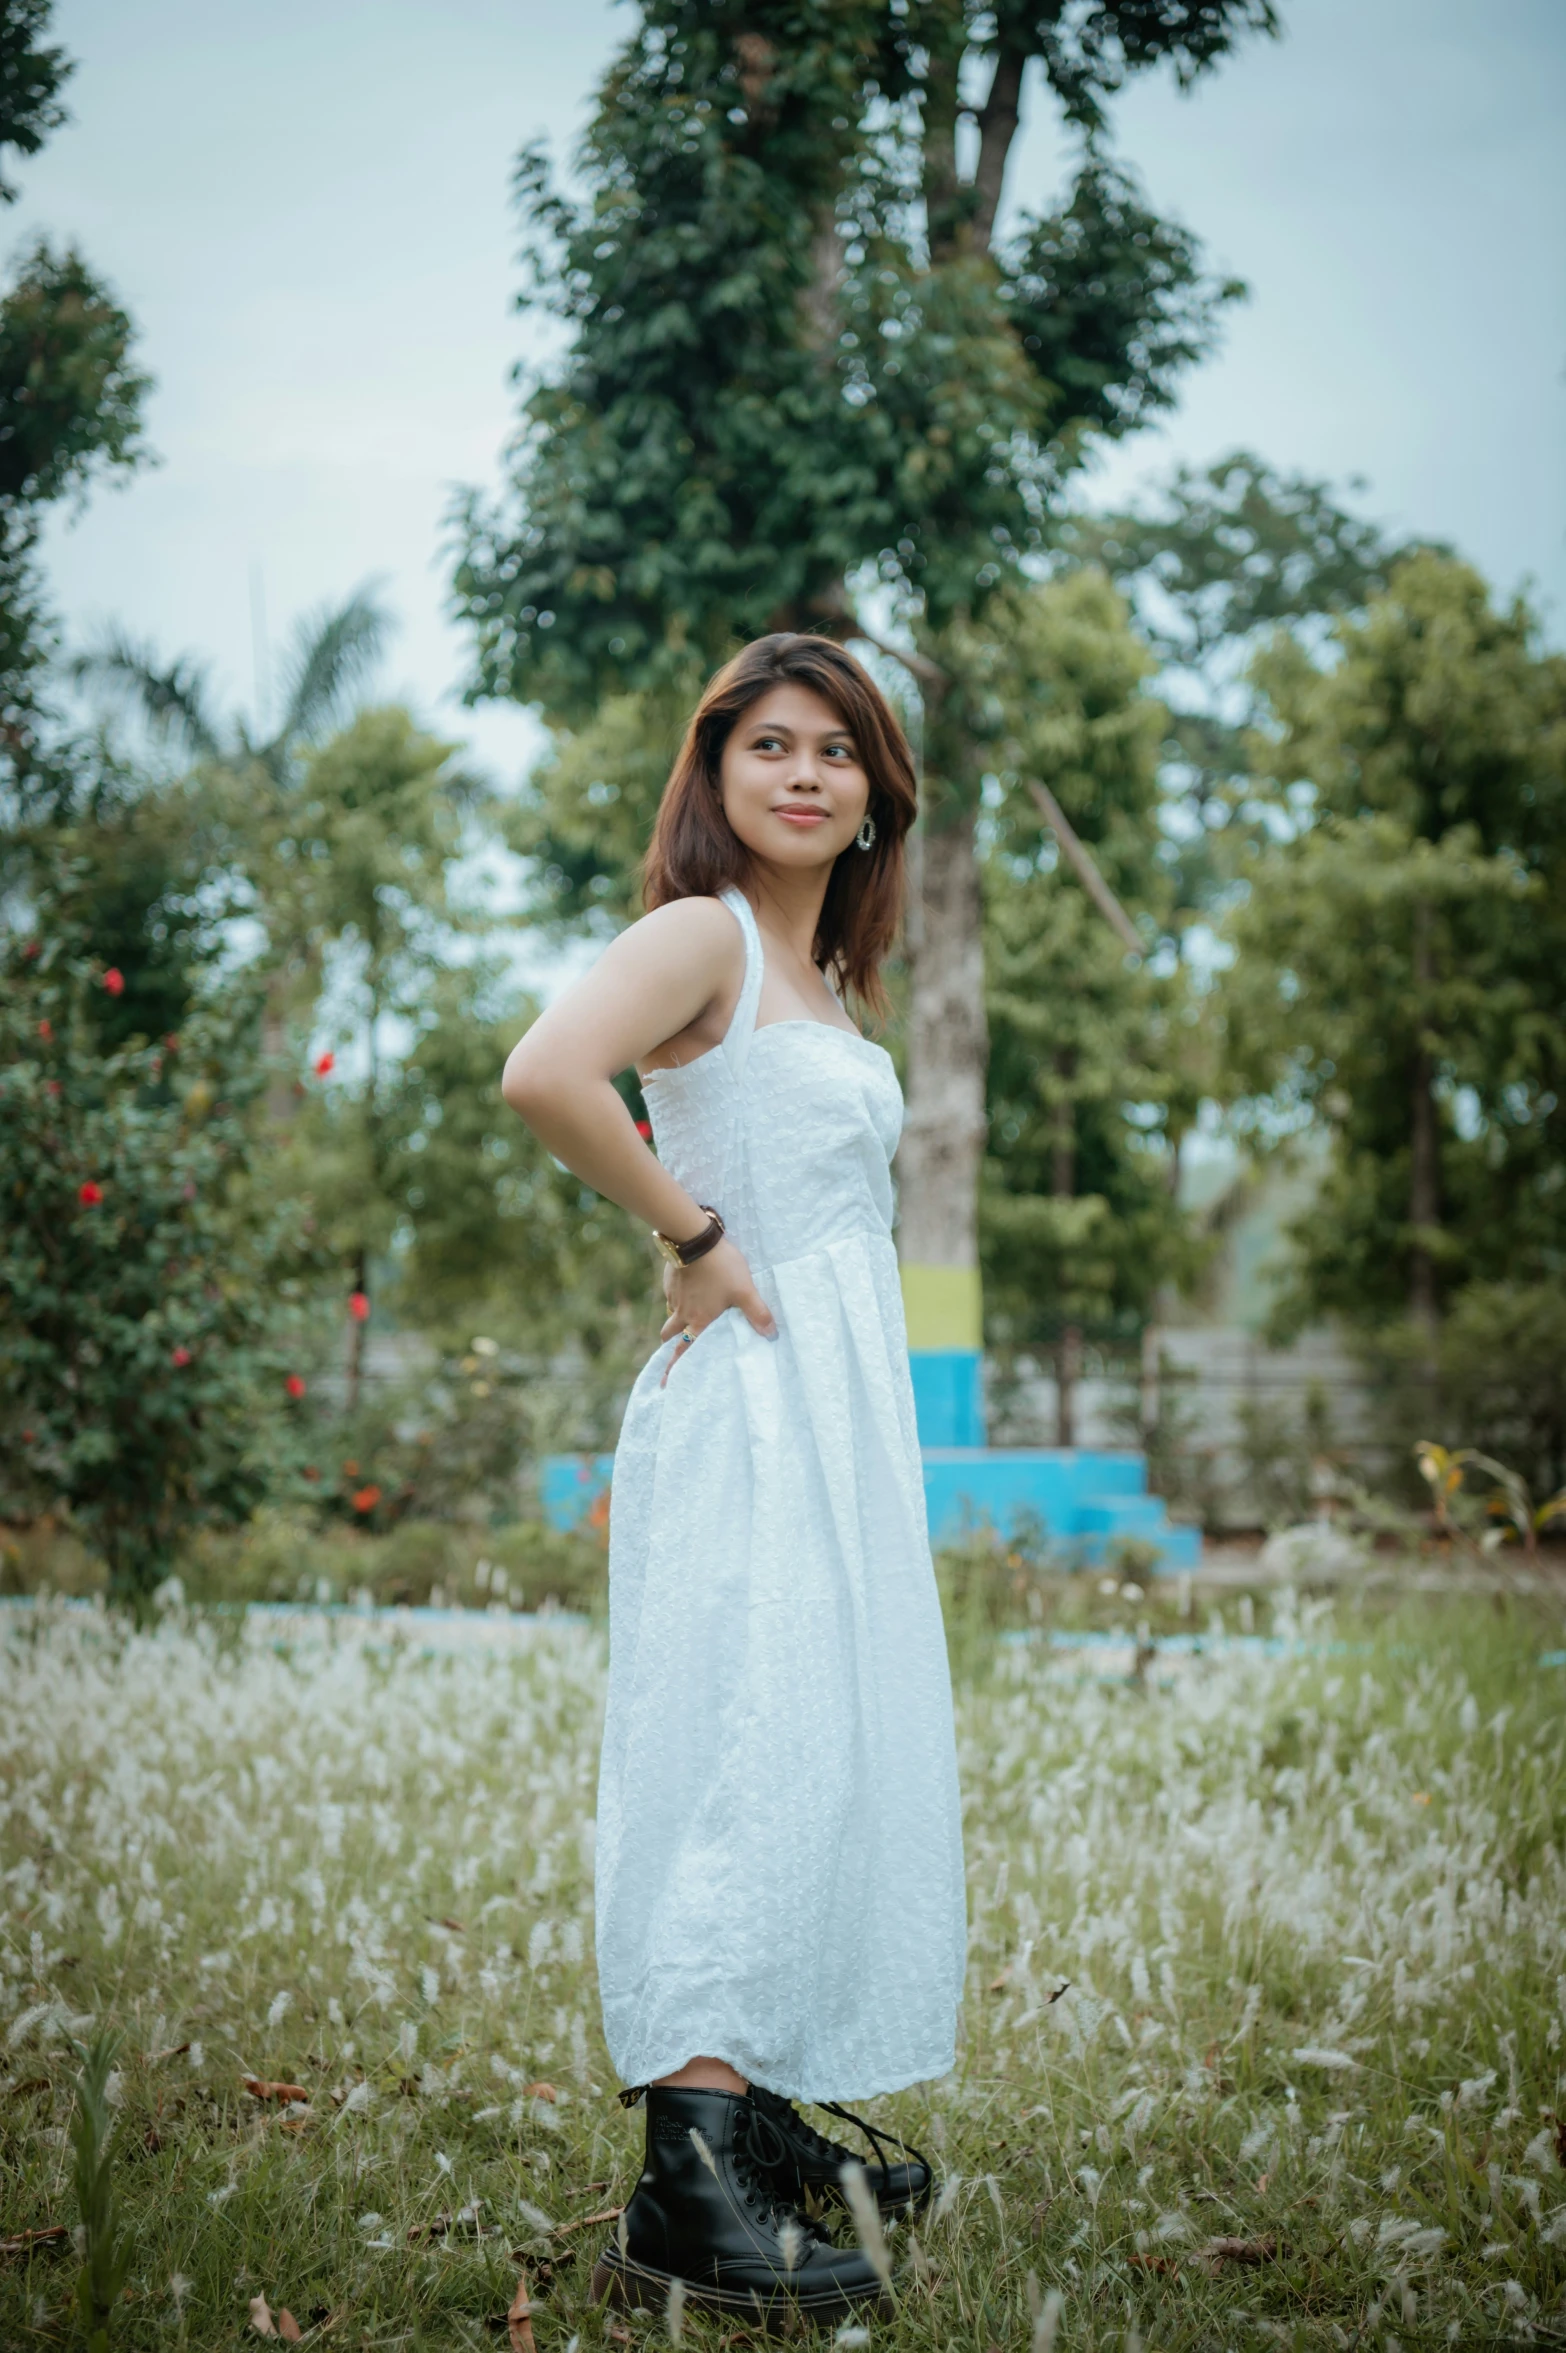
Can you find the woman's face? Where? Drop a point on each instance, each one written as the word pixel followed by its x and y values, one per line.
pixel 791 780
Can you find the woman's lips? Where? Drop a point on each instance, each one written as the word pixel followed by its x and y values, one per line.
pixel 801 816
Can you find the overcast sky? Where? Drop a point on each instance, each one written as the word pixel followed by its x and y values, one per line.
pixel 305 206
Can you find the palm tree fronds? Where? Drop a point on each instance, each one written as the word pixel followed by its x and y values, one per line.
pixel 333 651
pixel 173 698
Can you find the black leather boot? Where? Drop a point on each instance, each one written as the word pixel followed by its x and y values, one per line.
pixel 705 2212
pixel 812 2165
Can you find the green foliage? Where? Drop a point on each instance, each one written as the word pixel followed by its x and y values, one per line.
pixel 31 78
pixel 146 1274
pixel 107 2246
pixel 1085 1088
pixel 1495 1378
pixel 794 353
pixel 70 406
pixel 587 812
pixel 1232 549
pixel 137 869
pixel 70 397
pixel 1399 949
pixel 488 1221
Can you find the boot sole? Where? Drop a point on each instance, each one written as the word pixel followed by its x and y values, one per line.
pixel 637 2286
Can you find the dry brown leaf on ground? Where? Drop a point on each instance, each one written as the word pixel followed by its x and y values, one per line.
pixel 50 2235
pixel 456 1926
pixel 261 2318
pixel 288 2328
pixel 543 2091
pixel 261 2087
pixel 174 2051
pixel 519 2320
pixel 1222 2250
pixel 1158 2263
pixel 997 1984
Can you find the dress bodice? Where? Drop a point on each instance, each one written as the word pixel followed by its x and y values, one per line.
pixel 787 1129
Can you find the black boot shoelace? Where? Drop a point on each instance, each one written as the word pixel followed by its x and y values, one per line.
pixel 759 2148
pixel 834 2151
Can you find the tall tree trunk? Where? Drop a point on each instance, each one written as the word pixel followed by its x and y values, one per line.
pixel 1424 1179
pixel 948 1034
pixel 1063 1185
pixel 948 1049
pixel 1068 1372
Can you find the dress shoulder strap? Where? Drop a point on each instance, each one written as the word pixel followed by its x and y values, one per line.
pixel 737 1037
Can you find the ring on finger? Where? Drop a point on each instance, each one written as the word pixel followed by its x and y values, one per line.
pixel 687 1335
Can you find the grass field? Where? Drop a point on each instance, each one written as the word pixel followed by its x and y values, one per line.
pixel 1305 2086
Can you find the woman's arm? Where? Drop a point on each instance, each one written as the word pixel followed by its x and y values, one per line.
pixel 653 981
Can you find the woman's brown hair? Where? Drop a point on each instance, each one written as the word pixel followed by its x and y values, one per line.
pixel 695 853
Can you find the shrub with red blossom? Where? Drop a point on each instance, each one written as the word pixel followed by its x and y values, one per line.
pixel 167 1258
pixel 358 1306
pixel 295 1385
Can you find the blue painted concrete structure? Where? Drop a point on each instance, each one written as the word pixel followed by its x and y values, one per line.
pixel 1086 1501
pixel 948 1386
pixel 1083 1500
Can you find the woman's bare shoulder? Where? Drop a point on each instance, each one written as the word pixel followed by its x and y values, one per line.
pixel 687 931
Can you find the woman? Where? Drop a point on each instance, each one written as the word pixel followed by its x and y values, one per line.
pixel 779 1873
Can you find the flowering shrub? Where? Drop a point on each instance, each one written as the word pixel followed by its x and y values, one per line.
pixel 145 1284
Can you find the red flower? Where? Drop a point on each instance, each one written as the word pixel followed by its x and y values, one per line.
pixel 358 1307
pixel 644 1130
pixel 32 949
pixel 324 1063
pixel 294 1385
pixel 366 1499
pixel 89 1194
pixel 172 1042
pixel 51 1086
pixel 114 981
pixel 46 1031
pixel 27 1437
pixel 180 1358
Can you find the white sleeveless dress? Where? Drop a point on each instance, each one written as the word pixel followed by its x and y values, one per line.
pixel 779 1851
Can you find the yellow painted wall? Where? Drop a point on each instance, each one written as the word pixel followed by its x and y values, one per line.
pixel 944 1306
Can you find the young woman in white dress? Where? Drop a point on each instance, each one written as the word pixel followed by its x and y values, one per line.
pixel 780 1905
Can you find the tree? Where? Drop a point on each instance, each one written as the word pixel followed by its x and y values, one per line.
pixel 802 362
pixel 1091 1078
pixel 493 1228
pixel 242 792
pixel 1399 949
pixel 147 1275
pixel 357 860
pixel 70 408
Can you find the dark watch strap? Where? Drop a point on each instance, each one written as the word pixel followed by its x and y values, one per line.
pixel 707 1239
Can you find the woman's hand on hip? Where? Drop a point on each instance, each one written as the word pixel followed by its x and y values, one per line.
pixel 699 1294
